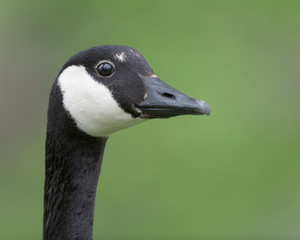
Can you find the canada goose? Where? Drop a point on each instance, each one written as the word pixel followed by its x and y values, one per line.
pixel 98 91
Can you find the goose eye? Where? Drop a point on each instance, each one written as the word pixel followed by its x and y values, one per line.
pixel 105 69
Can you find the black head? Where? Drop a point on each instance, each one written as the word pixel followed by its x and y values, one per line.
pixel 124 82
pixel 107 88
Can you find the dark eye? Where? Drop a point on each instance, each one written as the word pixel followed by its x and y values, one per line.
pixel 105 69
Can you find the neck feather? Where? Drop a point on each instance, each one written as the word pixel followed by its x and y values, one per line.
pixel 72 171
pixel 73 163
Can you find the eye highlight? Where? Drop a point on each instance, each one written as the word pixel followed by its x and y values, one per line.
pixel 105 69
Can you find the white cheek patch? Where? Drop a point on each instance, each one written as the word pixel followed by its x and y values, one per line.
pixel 91 104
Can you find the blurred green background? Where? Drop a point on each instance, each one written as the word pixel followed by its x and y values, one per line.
pixel 232 175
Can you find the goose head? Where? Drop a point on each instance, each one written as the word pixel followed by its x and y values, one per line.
pixel 108 88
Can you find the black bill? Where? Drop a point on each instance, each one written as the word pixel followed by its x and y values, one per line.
pixel 163 101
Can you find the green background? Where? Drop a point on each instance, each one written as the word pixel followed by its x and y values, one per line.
pixel 232 175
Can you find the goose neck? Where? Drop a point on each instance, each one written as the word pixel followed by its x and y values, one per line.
pixel 73 166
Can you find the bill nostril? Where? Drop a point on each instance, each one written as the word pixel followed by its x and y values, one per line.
pixel 169 95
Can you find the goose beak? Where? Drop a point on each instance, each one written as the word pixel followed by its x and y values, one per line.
pixel 163 101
